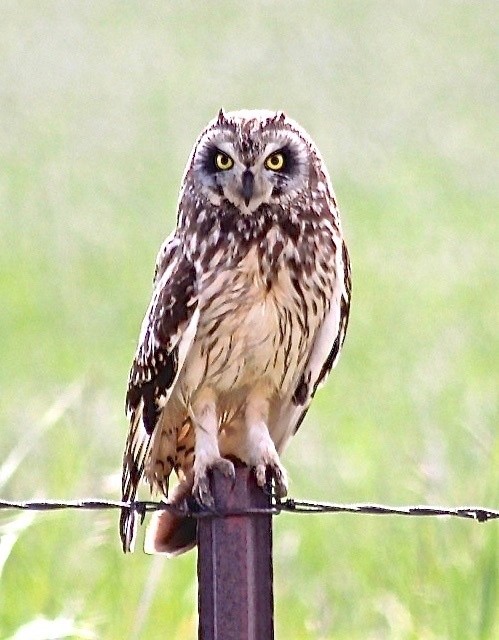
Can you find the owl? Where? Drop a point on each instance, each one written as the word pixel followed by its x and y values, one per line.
pixel 248 315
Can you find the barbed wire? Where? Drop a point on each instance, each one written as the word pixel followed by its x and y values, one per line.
pixel 290 505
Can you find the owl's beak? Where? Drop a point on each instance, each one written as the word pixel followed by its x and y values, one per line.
pixel 248 182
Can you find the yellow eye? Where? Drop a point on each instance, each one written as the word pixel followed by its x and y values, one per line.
pixel 275 162
pixel 223 162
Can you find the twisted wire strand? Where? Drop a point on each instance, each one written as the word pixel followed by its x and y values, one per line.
pixel 291 505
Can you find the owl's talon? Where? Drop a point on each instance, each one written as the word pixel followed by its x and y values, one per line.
pixel 226 467
pixel 277 473
pixel 280 482
pixel 201 490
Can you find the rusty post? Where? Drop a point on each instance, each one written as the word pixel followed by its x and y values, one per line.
pixel 235 591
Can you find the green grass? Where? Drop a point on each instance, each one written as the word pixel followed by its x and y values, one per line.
pixel 100 103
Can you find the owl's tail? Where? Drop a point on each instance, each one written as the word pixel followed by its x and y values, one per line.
pixel 170 533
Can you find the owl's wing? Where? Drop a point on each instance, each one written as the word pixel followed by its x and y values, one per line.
pixel 167 332
pixel 323 357
pixel 165 256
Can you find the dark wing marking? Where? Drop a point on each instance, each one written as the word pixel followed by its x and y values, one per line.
pixel 167 332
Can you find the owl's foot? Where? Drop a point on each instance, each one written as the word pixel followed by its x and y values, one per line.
pixel 201 489
pixel 271 464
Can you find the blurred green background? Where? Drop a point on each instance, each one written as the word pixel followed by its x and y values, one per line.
pixel 100 103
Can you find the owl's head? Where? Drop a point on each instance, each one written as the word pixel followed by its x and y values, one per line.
pixel 250 158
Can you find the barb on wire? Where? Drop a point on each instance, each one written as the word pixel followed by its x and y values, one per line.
pixel 481 514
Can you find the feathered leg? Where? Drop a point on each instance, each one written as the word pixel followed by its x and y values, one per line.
pixel 207 452
pixel 261 450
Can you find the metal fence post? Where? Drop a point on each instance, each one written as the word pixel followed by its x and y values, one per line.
pixel 235 591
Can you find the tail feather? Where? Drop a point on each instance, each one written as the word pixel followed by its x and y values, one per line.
pixel 136 452
pixel 169 533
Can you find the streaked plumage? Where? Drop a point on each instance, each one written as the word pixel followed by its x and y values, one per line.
pixel 248 315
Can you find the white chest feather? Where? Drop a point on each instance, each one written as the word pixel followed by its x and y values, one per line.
pixel 248 330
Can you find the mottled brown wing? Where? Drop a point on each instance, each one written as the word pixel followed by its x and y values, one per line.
pixel 168 330
pixel 346 295
pixel 323 357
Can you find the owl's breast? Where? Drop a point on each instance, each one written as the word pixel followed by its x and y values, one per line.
pixel 252 326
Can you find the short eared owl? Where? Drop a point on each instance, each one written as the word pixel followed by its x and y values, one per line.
pixel 248 315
